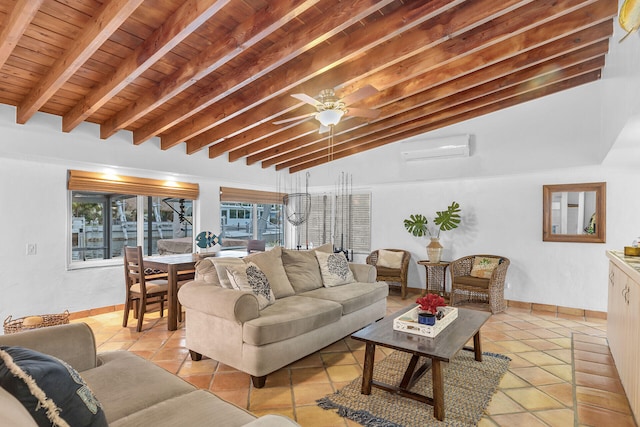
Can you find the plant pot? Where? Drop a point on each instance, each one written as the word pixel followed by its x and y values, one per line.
pixel 434 250
pixel 426 318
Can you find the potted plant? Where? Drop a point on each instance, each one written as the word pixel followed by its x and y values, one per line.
pixel 418 225
pixel 429 308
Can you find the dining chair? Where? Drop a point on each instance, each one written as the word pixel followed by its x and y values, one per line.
pixel 142 288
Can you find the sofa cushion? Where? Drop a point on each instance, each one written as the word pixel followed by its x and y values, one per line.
pixel 197 408
pixel 221 265
pixel 389 259
pixel 302 270
pixel 270 262
pixel 352 296
pixel 125 383
pixel 483 266
pixel 248 277
pixel 50 389
pixel 290 317
pixel 473 281
pixel 334 269
pixel 206 271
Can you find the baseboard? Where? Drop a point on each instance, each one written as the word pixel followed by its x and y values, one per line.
pixel 95 311
pixel 533 306
pixel 558 310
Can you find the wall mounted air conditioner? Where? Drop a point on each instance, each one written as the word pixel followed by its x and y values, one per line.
pixel 439 148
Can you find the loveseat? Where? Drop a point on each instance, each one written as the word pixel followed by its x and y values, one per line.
pixel 318 298
pixel 131 391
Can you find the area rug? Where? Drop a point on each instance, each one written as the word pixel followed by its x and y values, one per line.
pixel 468 388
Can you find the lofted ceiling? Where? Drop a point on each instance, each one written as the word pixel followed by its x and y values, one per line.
pixel 219 75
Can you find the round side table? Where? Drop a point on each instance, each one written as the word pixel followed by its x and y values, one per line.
pixel 435 277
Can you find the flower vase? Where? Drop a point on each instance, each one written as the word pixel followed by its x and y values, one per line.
pixel 426 318
pixel 434 250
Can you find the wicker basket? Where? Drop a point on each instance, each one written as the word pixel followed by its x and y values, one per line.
pixel 34 322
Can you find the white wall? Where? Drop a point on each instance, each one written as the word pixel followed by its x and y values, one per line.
pixel 503 216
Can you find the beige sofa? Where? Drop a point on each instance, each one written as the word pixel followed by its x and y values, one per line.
pixel 228 326
pixel 131 390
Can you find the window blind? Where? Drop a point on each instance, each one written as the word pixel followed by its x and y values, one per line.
pixel 122 184
pixel 349 223
pixel 230 194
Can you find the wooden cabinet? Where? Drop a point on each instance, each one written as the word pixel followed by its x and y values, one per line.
pixel 623 324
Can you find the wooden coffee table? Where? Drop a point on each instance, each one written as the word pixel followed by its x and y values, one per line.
pixel 442 348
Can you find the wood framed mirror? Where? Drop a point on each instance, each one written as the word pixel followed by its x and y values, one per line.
pixel 574 212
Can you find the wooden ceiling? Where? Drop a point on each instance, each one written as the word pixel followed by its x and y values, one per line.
pixel 216 74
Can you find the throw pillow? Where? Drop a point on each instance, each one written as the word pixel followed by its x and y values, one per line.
pixel 390 259
pixel 50 389
pixel 250 278
pixel 270 262
pixel 221 265
pixel 206 271
pixel 302 270
pixel 483 267
pixel 334 269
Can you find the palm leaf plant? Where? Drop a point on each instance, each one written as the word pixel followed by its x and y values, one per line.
pixel 418 224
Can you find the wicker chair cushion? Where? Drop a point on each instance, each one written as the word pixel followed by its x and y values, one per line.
pixel 389 259
pixel 154 286
pixel 483 267
pixel 473 281
pixel 388 272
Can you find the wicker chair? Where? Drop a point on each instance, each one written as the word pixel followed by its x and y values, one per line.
pixel 466 288
pixel 392 274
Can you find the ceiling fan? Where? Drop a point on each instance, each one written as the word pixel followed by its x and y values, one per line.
pixel 330 109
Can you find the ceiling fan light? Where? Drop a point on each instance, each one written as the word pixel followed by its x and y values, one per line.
pixel 329 117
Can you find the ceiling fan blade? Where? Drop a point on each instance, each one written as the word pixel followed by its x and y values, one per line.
pixel 306 98
pixel 293 119
pixel 360 94
pixel 363 112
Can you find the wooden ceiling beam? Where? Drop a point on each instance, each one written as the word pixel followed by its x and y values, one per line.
pixel 479 106
pixel 288 48
pixel 586 44
pixel 106 21
pixel 311 64
pixel 429 34
pixel 191 15
pixel 487 42
pixel 241 38
pixel 467 115
pixel 15 25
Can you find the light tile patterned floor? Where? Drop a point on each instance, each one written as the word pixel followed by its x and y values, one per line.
pixel 538 390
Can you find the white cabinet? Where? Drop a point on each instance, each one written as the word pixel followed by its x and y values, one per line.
pixel 623 324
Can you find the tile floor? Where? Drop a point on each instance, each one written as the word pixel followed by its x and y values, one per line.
pixel 540 388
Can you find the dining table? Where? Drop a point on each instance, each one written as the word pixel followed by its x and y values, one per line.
pixel 180 267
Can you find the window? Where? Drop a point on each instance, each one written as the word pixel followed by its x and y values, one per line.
pixel 250 215
pixel 103 221
pixel 345 220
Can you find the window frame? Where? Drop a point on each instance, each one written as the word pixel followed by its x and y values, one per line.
pixel 141 188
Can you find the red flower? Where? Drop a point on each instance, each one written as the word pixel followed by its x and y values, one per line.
pixel 431 302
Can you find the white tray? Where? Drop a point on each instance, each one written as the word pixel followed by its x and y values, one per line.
pixel 408 322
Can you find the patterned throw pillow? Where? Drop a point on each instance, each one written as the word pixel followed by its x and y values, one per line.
pixel 51 390
pixel 334 269
pixel 483 267
pixel 389 259
pixel 250 278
